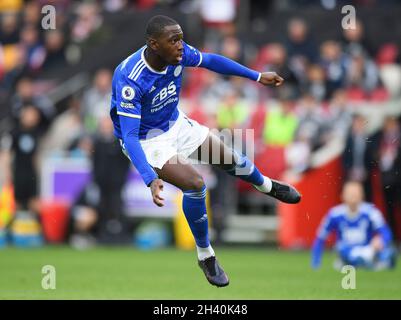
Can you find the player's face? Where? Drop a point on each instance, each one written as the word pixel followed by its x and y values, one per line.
pixel 352 194
pixel 170 47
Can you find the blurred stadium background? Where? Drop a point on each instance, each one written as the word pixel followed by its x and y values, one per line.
pixel 66 187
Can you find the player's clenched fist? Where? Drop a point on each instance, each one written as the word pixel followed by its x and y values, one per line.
pixel 156 187
pixel 271 78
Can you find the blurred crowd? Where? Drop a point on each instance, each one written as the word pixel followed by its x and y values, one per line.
pixel 323 84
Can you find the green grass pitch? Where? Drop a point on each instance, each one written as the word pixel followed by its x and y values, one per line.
pixel 127 273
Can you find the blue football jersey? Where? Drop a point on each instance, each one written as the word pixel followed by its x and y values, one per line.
pixel 355 230
pixel 139 91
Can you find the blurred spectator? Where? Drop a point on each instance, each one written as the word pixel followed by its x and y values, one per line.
pixel 9 28
pixel 218 19
pixel 231 48
pixel 280 124
pixel 334 64
pixel 25 139
pixel 316 83
pixel 354 40
pixel 363 238
pixel 312 132
pixel 246 90
pixel 66 128
pixel 362 72
pixel 301 48
pixel 311 125
pixel 33 50
pixel 81 147
pixel 25 94
pixel 232 113
pixel 110 170
pixel 88 21
pixel 213 91
pixel 273 57
pixel 387 153
pixel 55 49
pixel 87 29
pixel 340 117
pixel 356 158
pixel 298 154
pixel 96 100
pixel 32 14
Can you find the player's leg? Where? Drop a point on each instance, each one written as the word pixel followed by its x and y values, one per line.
pixel 185 177
pixel 386 258
pixel 357 255
pixel 217 153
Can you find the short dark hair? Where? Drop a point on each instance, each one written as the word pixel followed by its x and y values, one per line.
pixel 156 25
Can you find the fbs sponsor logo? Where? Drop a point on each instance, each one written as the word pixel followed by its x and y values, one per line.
pixel 168 91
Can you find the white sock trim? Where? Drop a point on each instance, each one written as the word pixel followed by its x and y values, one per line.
pixel 266 186
pixel 204 253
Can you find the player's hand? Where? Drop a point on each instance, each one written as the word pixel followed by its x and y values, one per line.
pixel 156 187
pixel 271 78
pixel 377 243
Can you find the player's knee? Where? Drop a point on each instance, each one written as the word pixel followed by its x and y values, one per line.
pixel 196 183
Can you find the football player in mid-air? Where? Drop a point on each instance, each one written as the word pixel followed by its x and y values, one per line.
pixel 158 138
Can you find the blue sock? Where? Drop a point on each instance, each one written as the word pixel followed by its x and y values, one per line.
pixel 246 170
pixel 194 207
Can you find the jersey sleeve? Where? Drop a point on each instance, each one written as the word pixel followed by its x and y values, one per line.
pixel 380 226
pixel 376 218
pixel 128 104
pixel 128 98
pixel 192 57
pixel 327 225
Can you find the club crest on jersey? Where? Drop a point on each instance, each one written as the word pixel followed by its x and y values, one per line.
pixel 128 93
pixel 177 71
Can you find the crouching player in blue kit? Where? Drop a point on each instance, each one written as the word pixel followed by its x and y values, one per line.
pixel 363 239
pixel 157 136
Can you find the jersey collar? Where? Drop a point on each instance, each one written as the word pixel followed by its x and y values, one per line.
pixel 148 66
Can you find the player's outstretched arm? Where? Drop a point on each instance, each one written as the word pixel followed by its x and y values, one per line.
pixel 226 66
pixel 326 227
pixel 317 253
